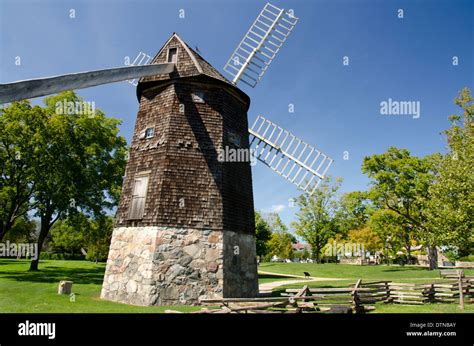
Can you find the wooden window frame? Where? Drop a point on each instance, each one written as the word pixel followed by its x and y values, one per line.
pixel 195 96
pixel 132 216
pixel 168 54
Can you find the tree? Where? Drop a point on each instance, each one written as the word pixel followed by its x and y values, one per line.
pixel 451 204
pixel 78 164
pixel 393 230
pixel 262 234
pixel 68 235
pixel 19 124
pixel 316 218
pixel 281 242
pixel 99 237
pixel 367 237
pixel 281 245
pixel 353 212
pixel 78 232
pixel 23 231
pixel 274 222
pixel 305 253
pixel 400 183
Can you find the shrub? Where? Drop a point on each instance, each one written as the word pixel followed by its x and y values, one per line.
pixel 60 256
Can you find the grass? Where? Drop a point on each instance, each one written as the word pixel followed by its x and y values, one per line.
pixel 264 278
pixel 36 292
pixel 469 258
pixel 381 307
pixel 354 272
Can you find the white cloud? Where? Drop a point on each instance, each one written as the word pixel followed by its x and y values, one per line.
pixel 277 208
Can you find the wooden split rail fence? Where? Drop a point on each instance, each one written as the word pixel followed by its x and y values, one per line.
pixel 446 291
pixel 336 299
pixel 356 298
pixel 304 300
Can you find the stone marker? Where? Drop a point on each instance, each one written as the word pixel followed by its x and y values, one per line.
pixel 65 287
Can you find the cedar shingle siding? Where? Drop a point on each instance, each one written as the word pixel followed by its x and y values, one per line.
pixel 197 210
pixel 182 154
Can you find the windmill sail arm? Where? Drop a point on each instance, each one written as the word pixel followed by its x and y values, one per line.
pixel 260 45
pixel 293 159
pixel 50 85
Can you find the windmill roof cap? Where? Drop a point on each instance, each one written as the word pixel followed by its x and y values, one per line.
pixel 189 64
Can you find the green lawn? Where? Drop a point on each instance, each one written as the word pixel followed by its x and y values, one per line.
pixel 332 270
pixel 22 291
pixel 26 292
pixel 264 278
pixel 382 307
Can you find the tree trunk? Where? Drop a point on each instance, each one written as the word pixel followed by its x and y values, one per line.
pixel 318 256
pixel 433 257
pixel 408 249
pixel 4 229
pixel 45 227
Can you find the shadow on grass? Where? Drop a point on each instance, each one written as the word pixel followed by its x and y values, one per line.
pixel 9 261
pixel 278 291
pixel 50 274
pixel 270 276
pixel 401 269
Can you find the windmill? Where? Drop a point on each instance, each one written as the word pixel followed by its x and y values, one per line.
pixel 185 222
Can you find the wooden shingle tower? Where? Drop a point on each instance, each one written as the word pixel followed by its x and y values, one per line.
pixel 185 223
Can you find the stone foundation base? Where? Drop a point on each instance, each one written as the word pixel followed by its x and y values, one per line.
pixel 173 266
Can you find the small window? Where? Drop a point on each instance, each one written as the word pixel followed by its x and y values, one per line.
pixel 149 132
pixel 198 96
pixel 137 206
pixel 234 138
pixel 173 55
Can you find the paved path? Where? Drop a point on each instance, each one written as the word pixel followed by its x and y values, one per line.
pixel 268 286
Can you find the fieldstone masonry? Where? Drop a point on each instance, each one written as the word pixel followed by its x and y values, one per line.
pixel 195 235
pixel 164 266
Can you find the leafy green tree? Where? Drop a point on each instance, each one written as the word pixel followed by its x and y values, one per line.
pixel 281 242
pixel 451 204
pixel 23 231
pixel 400 184
pixel 354 210
pixel 262 234
pixel 68 235
pixel 366 237
pixel 19 125
pixel 78 232
pixel 274 222
pixel 305 254
pixel 99 237
pixel 395 233
pixel 316 220
pixel 280 245
pixel 77 163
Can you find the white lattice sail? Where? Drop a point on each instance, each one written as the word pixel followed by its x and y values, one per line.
pixel 250 60
pixel 289 156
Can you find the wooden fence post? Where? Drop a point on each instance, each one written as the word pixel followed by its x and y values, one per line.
pixel 461 295
pixel 355 296
pixel 387 292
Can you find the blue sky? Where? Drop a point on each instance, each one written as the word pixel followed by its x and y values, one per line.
pixel 337 107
